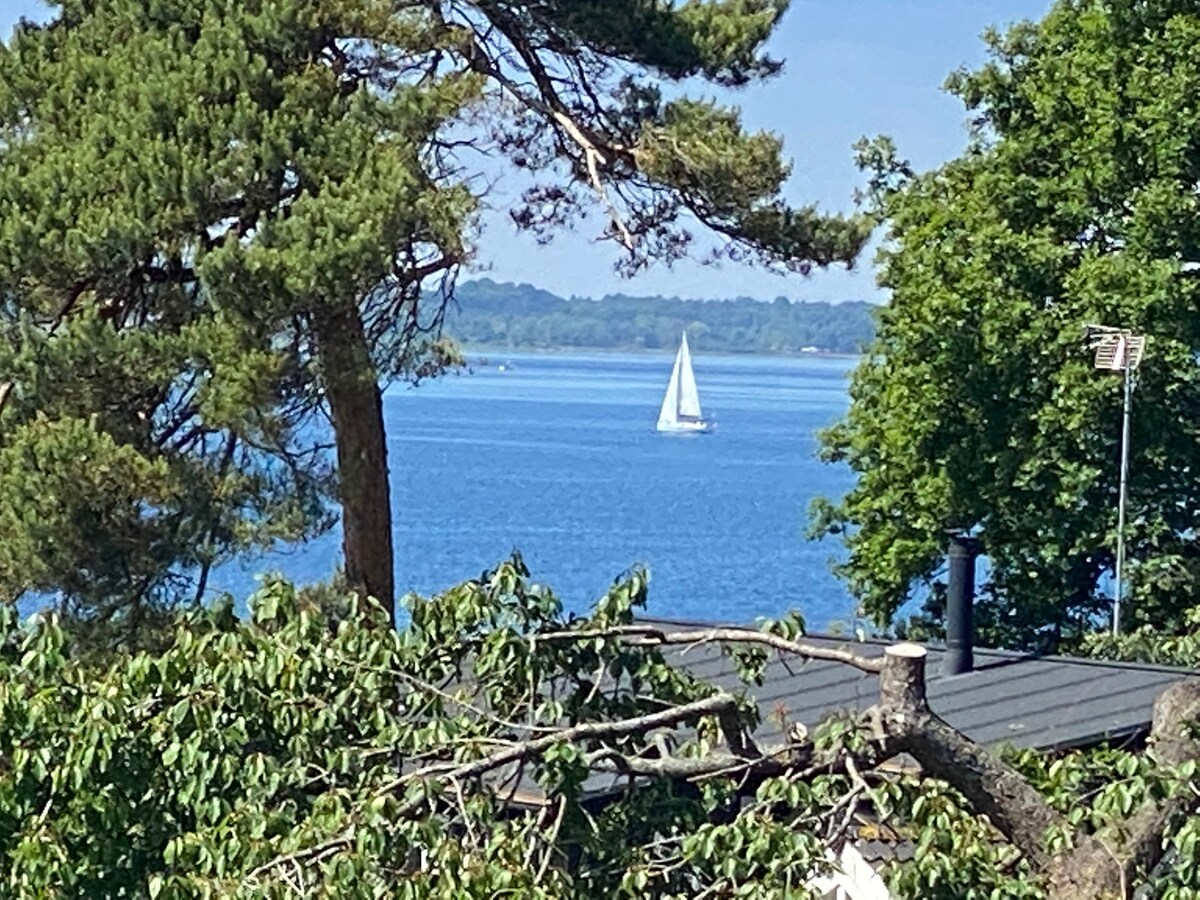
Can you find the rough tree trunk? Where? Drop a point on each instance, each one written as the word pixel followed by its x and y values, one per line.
pixel 994 788
pixel 1102 866
pixel 356 406
pixel 1116 860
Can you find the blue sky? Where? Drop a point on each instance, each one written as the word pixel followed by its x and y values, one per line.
pixel 854 68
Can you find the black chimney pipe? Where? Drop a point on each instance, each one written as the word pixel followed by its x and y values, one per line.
pixel 960 602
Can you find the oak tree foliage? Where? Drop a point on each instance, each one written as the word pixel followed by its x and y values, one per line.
pixel 977 406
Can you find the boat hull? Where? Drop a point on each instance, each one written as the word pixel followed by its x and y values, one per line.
pixel 700 427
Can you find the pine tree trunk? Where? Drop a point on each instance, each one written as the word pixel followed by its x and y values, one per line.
pixel 356 407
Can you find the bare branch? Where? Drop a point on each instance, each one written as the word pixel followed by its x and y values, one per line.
pixel 516 752
pixel 417 273
pixel 309 855
pixel 772 762
pixel 650 635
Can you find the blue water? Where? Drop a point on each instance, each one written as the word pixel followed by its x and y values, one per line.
pixel 557 456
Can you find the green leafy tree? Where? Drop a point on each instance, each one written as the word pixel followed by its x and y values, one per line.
pixel 497 746
pixel 977 406
pixel 253 199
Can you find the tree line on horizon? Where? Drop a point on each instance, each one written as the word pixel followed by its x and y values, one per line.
pixel 520 316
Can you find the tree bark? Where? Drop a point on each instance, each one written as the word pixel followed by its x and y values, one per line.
pixel 994 788
pixel 1112 862
pixel 1101 866
pixel 356 407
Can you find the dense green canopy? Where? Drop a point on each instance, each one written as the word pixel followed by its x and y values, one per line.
pixel 497 746
pixel 977 406
pixel 216 218
pixel 521 316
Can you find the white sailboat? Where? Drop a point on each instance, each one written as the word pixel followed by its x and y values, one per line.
pixel 681 406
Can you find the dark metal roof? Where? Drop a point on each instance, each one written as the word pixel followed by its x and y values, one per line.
pixel 1041 702
pixel 1009 698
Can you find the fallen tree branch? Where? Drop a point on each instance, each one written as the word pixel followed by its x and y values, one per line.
pixel 650 635
pixel 994 788
pixel 774 761
pixel 714 705
pixel 1125 853
pixel 1101 865
pixel 308 854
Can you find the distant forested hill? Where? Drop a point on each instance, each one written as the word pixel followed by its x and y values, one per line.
pixel 521 316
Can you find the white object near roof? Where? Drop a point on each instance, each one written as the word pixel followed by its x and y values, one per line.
pixel 853 878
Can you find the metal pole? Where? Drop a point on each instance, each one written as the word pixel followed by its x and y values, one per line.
pixel 1120 571
pixel 960 602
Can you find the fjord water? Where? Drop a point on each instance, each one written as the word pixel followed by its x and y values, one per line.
pixel 557 456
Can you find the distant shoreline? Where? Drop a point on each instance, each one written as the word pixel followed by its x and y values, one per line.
pixel 500 350
pixel 522 317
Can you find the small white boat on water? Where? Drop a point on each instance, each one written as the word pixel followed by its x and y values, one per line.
pixel 680 411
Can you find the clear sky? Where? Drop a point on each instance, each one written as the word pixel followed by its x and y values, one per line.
pixel 854 68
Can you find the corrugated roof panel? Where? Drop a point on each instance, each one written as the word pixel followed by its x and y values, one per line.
pixel 1025 700
pixel 1114 713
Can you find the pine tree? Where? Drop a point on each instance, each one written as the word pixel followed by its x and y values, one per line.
pixel 220 217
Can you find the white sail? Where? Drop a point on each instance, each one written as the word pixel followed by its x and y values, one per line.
pixel 689 397
pixel 681 404
pixel 668 415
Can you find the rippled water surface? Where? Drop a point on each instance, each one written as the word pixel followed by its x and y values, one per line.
pixel 557 456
